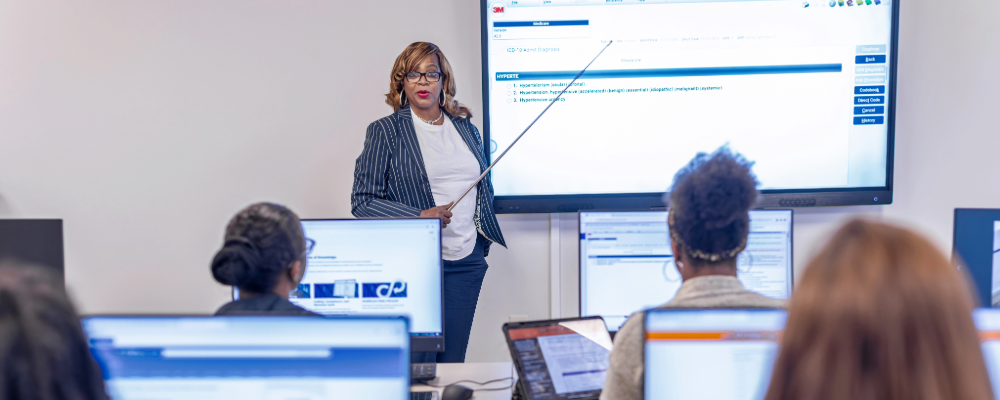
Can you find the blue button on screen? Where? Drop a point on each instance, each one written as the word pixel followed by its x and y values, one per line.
pixel 872 59
pixel 869 89
pixel 873 120
pixel 865 110
pixel 869 100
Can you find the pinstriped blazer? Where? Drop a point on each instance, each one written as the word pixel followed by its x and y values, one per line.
pixel 390 179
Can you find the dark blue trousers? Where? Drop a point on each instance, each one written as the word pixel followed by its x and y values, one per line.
pixel 463 280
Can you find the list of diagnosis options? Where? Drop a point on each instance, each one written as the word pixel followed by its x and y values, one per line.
pixel 870 81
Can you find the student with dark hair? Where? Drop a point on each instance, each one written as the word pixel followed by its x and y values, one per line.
pixel 43 349
pixel 264 255
pixel 709 222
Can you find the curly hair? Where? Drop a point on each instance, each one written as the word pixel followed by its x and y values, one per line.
pixel 709 202
pixel 407 61
pixel 43 349
pixel 261 242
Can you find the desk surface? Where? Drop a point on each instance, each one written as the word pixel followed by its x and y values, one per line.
pixel 448 373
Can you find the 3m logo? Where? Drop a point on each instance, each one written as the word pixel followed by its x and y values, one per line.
pixel 497 8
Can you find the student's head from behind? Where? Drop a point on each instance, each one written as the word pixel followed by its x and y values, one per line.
pixel 264 251
pixel 880 313
pixel 43 350
pixel 709 219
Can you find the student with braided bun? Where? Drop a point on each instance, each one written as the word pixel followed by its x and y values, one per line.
pixel 709 222
pixel 264 255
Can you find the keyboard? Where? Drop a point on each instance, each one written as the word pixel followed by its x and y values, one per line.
pixel 423 371
pixel 423 396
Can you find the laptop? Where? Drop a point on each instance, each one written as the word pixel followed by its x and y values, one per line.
pixel 251 357
pixel 560 359
pixel 720 354
pixel 988 323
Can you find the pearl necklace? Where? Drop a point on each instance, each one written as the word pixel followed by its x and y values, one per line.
pixel 434 122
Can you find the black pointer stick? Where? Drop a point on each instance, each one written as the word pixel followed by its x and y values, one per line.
pixel 454 203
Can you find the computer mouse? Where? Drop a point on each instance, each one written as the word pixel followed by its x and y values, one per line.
pixel 456 392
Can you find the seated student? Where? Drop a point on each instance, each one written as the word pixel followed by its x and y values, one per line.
pixel 264 255
pixel 709 223
pixel 43 350
pixel 880 313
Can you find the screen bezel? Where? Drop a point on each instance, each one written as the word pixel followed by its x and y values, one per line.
pixel 579 270
pixel 429 344
pixel 822 197
pixel 516 359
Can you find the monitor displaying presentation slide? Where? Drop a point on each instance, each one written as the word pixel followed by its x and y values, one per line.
pixel 386 267
pixel 988 322
pixel 711 354
pixel 626 264
pixel 805 88
pixel 977 250
pixel 249 358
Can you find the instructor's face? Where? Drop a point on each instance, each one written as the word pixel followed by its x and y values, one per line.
pixel 423 94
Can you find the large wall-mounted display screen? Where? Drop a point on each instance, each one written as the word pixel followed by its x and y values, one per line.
pixel 803 88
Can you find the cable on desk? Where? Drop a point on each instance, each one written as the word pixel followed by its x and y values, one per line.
pixel 510 378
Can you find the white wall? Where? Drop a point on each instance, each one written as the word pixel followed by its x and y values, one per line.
pixel 146 125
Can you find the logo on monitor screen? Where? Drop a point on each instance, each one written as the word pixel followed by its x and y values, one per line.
pixel 384 290
pixel 497 8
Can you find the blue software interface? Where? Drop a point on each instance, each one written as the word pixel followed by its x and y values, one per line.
pixel 386 267
pixel 711 354
pixel 988 322
pixel 800 86
pixel 251 358
pixel 626 264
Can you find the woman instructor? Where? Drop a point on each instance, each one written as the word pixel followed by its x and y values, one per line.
pixel 415 163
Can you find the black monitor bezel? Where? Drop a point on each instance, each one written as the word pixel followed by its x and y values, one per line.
pixel 427 344
pixel 823 197
pixel 579 252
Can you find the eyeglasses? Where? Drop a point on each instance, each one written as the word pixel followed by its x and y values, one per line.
pixel 309 245
pixel 414 77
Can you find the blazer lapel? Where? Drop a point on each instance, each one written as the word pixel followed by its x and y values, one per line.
pixel 408 138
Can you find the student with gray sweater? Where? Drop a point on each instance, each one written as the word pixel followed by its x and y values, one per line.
pixel 709 223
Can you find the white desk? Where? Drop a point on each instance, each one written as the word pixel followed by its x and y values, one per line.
pixel 448 373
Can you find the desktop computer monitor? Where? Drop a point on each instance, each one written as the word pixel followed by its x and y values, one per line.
pixel 988 322
pixel 721 354
pixel 626 264
pixel 977 250
pixel 272 357
pixel 381 267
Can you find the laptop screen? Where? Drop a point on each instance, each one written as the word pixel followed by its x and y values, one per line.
pixel 251 358
pixel 711 354
pixel 988 322
pixel 626 264
pixel 561 359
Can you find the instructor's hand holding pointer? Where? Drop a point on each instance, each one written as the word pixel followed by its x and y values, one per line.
pixel 439 212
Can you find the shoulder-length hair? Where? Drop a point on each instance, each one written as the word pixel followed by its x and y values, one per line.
pixel 407 61
pixel 881 314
